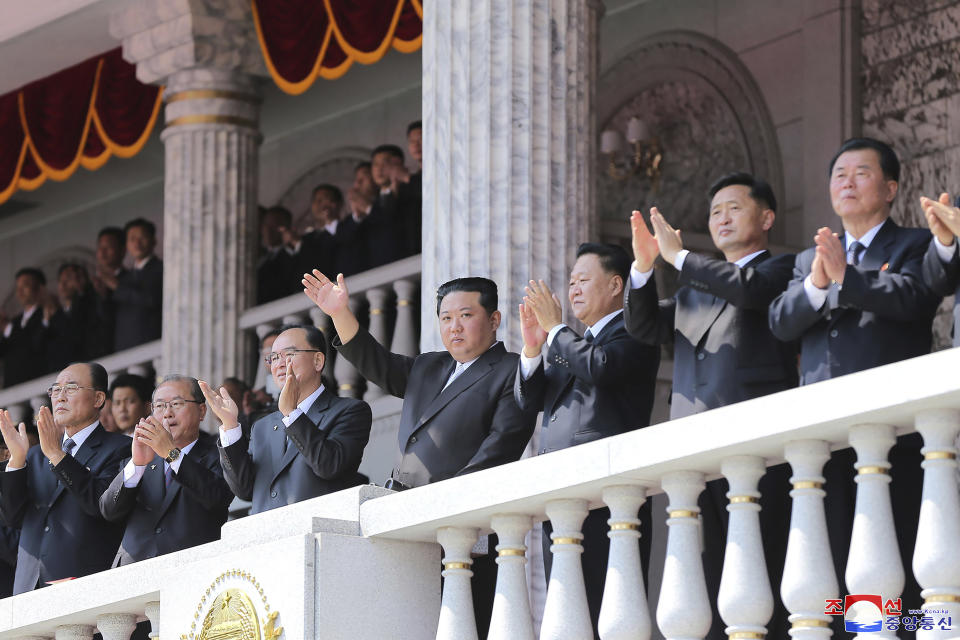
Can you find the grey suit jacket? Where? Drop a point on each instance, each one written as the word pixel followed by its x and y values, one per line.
pixel 944 279
pixel 322 454
pixel 723 349
pixel 882 314
pixel 472 424
pixel 592 390
pixel 162 519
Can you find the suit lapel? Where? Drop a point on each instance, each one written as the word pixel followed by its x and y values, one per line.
pixel 314 413
pixel 699 314
pixel 84 453
pixel 468 378
pixel 879 250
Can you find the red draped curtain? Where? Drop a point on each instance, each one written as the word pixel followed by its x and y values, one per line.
pixel 77 117
pixel 306 39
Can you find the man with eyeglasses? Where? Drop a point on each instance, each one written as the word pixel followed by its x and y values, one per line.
pixel 52 492
pixel 171 493
pixel 311 446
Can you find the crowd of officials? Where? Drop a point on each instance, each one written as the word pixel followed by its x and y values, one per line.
pixel 84 499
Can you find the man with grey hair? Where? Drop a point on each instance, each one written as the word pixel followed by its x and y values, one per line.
pixel 170 493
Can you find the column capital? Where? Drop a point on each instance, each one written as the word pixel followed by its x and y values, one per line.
pixel 163 37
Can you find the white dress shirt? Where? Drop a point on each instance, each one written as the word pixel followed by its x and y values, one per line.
pixel 27 313
pixel 817 296
pixel 463 366
pixel 945 253
pixel 529 365
pixel 78 439
pixel 132 473
pixel 639 279
pixel 229 436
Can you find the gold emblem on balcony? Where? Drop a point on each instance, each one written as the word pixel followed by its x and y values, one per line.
pixel 231 616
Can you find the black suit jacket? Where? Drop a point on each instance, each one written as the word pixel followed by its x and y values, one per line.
pixel 57 508
pixel 323 451
pixel 163 519
pixel 723 349
pixel 139 304
pixel 381 233
pixel 589 391
pixel 76 335
pixel 24 352
pixel 318 250
pixel 944 280
pixel 473 424
pixel 883 312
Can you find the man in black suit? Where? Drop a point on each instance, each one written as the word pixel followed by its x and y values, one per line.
pixel 858 303
pixel 111 248
pixel 171 493
pixel 327 247
pixel 137 292
pixel 410 186
pixel 458 414
pixel 130 396
pixel 23 339
pixel 723 349
pixel 310 447
pixel 52 492
pixel 589 387
pixel 74 328
pixel 941 264
pixel 382 228
pixel 277 270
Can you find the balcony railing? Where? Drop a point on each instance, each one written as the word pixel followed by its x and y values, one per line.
pixel 365 564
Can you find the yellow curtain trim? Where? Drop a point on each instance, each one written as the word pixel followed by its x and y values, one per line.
pixel 31 184
pixel 92 163
pixel 127 151
pixel 12 187
pixel 61 174
pixel 352 54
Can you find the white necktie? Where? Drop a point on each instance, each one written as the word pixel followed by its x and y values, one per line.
pixel 456 373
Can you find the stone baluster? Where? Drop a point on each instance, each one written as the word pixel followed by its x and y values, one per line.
pixel 511 618
pixel 565 614
pixel 936 562
pixel 456 606
pixel 745 601
pixel 405 328
pixel 809 578
pixel 874 535
pixel 377 297
pixel 32 638
pixel 157 367
pixel 152 611
pixel 624 614
pixel 116 626
pixel 325 323
pixel 348 378
pixel 74 632
pixel 683 610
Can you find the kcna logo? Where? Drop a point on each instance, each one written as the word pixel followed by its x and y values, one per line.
pixel 863 612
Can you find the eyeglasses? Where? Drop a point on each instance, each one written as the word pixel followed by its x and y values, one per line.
pixel 159 408
pixel 271 358
pixel 70 389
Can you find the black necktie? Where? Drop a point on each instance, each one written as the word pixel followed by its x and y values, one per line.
pixel 856 248
pixel 68 446
pixel 588 336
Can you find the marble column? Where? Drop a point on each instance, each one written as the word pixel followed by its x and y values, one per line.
pixel 207 56
pixel 509 140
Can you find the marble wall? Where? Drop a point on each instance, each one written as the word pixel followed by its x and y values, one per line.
pixel 911 98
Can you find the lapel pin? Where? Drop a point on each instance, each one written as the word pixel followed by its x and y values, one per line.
pixel 153 466
pixel 886 265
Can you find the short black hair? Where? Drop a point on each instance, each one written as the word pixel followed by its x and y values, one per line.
pixel 140 385
pixel 413 126
pixel 613 258
pixel 273 333
pixel 237 381
pixel 760 191
pixel 314 336
pixel 34 273
pixel 68 266
pixel 331 189
pixel 98 377
pixel 114 232
pixel 195 389
pixel 286 218
pixel 390 149
pixel 889 162
pixel 362 165
pixel 144 224
pixel 486 287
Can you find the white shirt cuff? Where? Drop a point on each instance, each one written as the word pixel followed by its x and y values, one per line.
pixel 175 465
pixel 681 256
pixel 132 474
pixel 815 295
pixel 553 332
pixel 229 436
pixel 639 279
pixel 8 330
pixel 529 365
pixel 9 468
pixel 290 419
pixel 946 253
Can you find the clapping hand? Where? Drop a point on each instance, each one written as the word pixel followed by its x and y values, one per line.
pixel 291 390
pixel 832 255
pixel 51 436
pixel 645 247
pixel 140 451
pixel 222 405
pixel 533 334
pixel 943 219
pixel 16 438
pixel 332 298
pixel 668 238
pixel 544 304
pixel 152 433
